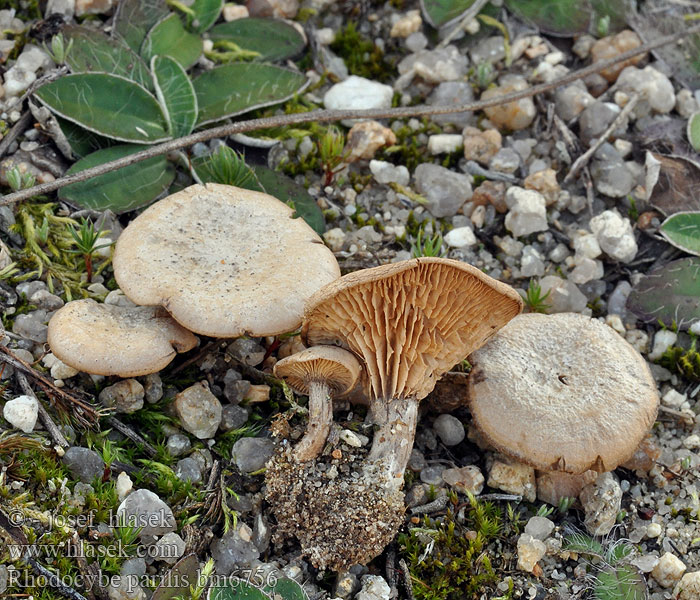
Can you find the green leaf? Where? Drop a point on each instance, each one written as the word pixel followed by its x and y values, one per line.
pixel 285 189
pixel 82 141
pixel 225 166
pixel 168 37
pixel 236 88
pixel 668 294
pixel 206 13
pixel 440 13
pixel 273 39
pixel 94 51
pixel 236 589
pixel 694 131
pixel 621 583
pixel 682 230
pixel 133 19
pixel 286 588
pixel 106 104
pixel 176 95
pixel 177 581
pixel 122 190
pixel 569 17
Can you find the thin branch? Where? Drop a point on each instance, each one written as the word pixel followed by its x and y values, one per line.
pixel 327 116
pixel 55 433
pixel 18 128
pixel 125 430
pixel 582 160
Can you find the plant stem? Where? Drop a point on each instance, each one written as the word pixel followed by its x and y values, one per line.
pixel 319 425
pixel 328 116
pixel 88 266
pixel 393 441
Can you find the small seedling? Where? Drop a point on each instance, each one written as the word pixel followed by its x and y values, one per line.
pixel 565 504
pixel 545 511
pixel 535 299
pixel 18 180
pixel 85 239
pixel 331 152
pixel 427 246
pixel 59 50
pixel 226 166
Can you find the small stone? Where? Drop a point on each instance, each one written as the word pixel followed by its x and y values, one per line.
pixel 357 93
pixel 445 143
pixel 673 399
pixel 407 24
pixel 234 549
pixel 465 479
pixel 527 211
pixel 4 576
pixel 250 454
pixel 570 101
pixel 615 236
pixel 124 485
pixel 385 172
pixel 601 502
pixel 530 550
pixel 142 508
pixel 452 93
pixel 93 7
pixel 553 486
pixel 247 351
pixel 654 530
pixel 513 478
pixel 351 438
pixel 432 475
pixel 596 118
pixel 539 527
pixel 586 244
pixel 445 190
pixel 663 340
pixel 506 160
pixel 586 269
pixel 544 182
pixel 460 237
pixel 531 263
pixel 612 177
pixel 493 193
pixel 188 469
pixel 281 9
pixel 686 104
pixel 258 393
pixel 488 50
pixel 31 326
pixel 17 81
pixel 654 88
pixel 325 36
pixel 612 46
pixel 84 464
pixel 125 396
pixel 233 12
pixel 153 388
pixel 346 584
pixel 233 417
pixel 178 444
pixel 688 588
pixel 335 238
pixel 46 300
pixel 449 429
pixel 22 412
pixel 645 456
pixel 199 411
pixel 564 295
pixel 365 138
pixel 60 370
pixel 416 41
pixel 692 442
pixel 582 46
pixel 374 588
pixel 169 548
pixel 668 570
pixel 481 146
pixel 513 115
pixel 435 66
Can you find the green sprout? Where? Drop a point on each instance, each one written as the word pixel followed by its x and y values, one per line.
pixel 545 511
pixel 226 166
pixel 535 299
pixel 427 246
pixel 565 503
pixel 18 180
pixel 331 152
pixel 85 239
pixel 59 50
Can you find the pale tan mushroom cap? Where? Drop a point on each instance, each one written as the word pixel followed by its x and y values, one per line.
pixel 104 339
pixel 337 368
pixel 562 392
pixel 410 321
pixel 224 261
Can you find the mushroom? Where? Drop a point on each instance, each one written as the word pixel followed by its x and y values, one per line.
pixel 410 322
pixel 224 261
pixel 562 392
pixel 104 339
pixel 321 372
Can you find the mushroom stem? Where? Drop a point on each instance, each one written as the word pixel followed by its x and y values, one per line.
pixel 320 419
pixel 393 440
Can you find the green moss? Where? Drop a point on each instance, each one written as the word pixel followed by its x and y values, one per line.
pixel 450 560
pixel 684 361
pixel 362 56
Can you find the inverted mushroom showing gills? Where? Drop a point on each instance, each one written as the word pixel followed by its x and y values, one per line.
pixel 322 372
pixel 562 392
pixel 409 323
pixel 103 339
pixel 224 261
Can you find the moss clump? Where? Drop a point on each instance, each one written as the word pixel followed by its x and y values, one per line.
pixel 362 56
pixel 447 559
pixel 680 360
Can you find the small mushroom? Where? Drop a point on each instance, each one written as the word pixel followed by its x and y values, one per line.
pixel 562 392
pixel 224 261
pixel 104 339
pixel 321 372
pixel 410 322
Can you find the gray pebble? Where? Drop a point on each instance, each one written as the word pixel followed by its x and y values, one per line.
pixel 449 429
pixel 143 508
pixel 188 469
pixel 178 444
pixel 250 454
pixel 233 417
pixel 84 464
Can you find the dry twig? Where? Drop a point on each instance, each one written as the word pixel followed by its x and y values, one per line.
pixel 55 433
